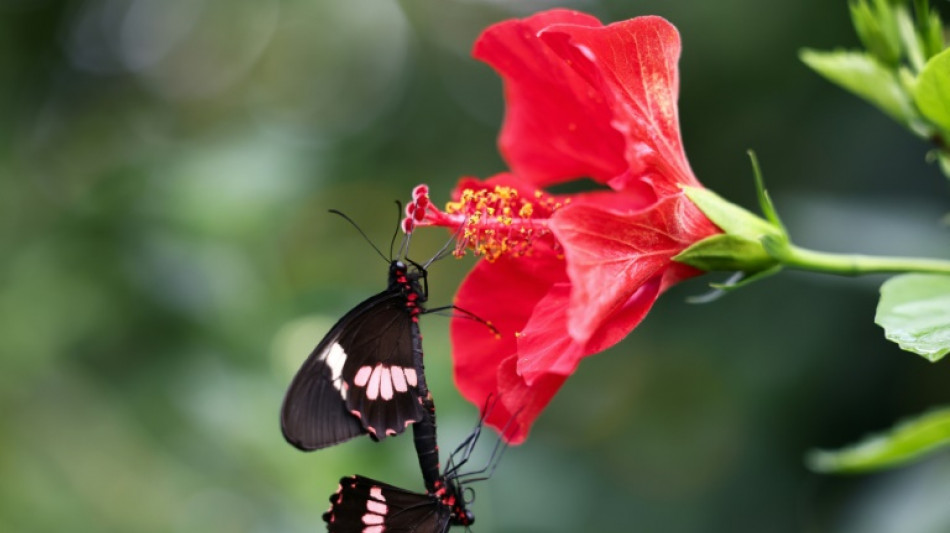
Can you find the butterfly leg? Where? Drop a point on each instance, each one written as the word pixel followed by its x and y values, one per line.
pixel 464 313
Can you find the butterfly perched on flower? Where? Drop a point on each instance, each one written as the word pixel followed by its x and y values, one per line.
pixel 366 376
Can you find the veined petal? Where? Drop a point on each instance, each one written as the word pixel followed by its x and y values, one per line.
pixel 610 256
pixel 522 402
pixel 543 346
pixel 633 64
pixel 556 126
pixel 504 292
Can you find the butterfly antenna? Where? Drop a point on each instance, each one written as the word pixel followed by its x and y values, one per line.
pixel 350 220
pixel 392 241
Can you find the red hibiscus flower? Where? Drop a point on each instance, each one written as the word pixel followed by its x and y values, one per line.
pixel 567 276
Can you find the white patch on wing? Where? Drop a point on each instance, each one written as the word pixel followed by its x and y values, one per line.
pixel 376 493
pixel 335 358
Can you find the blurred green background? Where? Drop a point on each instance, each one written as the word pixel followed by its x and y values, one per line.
pixel 166 167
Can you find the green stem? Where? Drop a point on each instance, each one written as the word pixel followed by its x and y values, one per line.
pixel 857 265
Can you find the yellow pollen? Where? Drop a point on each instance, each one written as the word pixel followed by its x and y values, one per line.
pixel 499 222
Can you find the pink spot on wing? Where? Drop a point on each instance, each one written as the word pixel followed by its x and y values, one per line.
pixel 373 529
pixel 376 507
pixel 376 493
pixel 399 379
pixel 372 391
pixel 371 519
pixel 411 376
pixel 386 384
pixel 362 376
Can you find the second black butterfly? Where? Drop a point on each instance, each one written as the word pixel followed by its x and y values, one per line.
pixel 364 505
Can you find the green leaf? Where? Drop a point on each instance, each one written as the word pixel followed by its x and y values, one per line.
pixel 944 160
pixel 909 440
pixel 864 76
pixel 931 32
pixel 877 29
pixel 914 311
pixel 932 93
pixel 934 38
pixel 910 39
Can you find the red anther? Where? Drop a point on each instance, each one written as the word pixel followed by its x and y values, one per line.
pixel 420 191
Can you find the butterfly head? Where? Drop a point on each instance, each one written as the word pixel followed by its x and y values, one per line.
pixel 457 500
pixel 408 279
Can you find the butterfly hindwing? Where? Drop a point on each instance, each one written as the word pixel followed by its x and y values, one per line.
pixel 383 373
pixel 361 378
pixel 363 505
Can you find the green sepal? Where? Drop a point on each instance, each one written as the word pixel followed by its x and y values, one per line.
pixel 765 201
pixel 736 281
pixel 865 76
pixel 932 90
pixel 778 247
pixel 914 311
pixel 908 441
pixel 730 218
pixel 726 252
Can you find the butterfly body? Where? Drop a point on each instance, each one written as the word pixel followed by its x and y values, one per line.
pixel 366 376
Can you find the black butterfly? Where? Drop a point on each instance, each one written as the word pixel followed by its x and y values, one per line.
pixel 364 505
pixel 366 375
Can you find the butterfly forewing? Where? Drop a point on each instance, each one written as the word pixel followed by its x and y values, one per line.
pixel 363 505
pixel 365 376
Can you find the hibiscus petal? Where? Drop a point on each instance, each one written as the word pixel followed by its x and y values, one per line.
pixel 522 402
pixel 633 64
pixel 556 127
pixel 610 256
pixel 504 292
pixel 631 313
pixel 545 348
pixel 543 345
